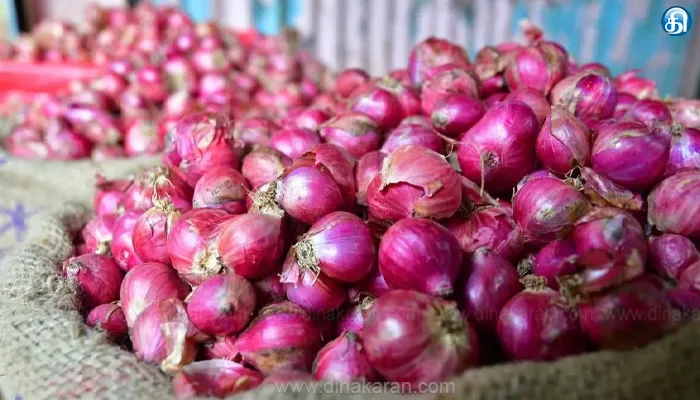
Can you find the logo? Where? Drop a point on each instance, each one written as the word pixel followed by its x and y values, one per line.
pixel 676 21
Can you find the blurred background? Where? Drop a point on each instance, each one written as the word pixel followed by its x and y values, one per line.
pixel 378 34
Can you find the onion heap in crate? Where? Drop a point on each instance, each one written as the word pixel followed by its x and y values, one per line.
pixel 407 228
pixel 157 66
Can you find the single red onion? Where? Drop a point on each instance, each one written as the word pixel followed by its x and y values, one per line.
pixel 157 182
pixel 252 245
pixel 314 291
pixel 535 326
pixel 214 378
pixel 379 104
pixel 354 132
pixel 588 95
pixel 499 150
pixel 419 254
pixel 255 130
pixel 641 88
pixel 110 319
pixel 281 337
pixel 563 142
pixel 539 66
pixel 686 112
pixel 456 113
pixel 556 259
pixel 491 281
pixel 491 227
pixel 64 143
pixel 221 305
pixel 368 167
pixel 222 348
pixel 98 233
pixel 596 67
pixel 414 338
pixel 150 235
pixel 108 194
pixel 97 278
pixel 151 84
pixel 445 83
pixel 414 181
pixel 263 165
pixel 413 135
pixel 685 150
pixel 141 137
pixel 293 142
pixel 350 79
pixel 628 316
pixel 373 285
pixel 352 318
pixel 673 203
pixel 651 112
pixel 671 254
pixel 489 63
pixel 603 192
pixel 630 154
pixel 308 118
pixel 192 244
pixel 625 101
pixel 269 289
pixel 222 188
pixel 534 99
pixel 546 209
pixel 344 360
pixel 121 246
pixel 433 52
pixel 339 164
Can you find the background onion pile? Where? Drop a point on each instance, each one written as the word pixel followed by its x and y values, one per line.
pixel 405 228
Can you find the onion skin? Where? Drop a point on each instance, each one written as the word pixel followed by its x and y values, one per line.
pixel 379 104
pixel 499 150
pixel 690 277
pixel 221 188
pixel 449 81
pixel 98 233
pixel 315 292
pixel 64 143
pixel 141 137
pixel 150 235
pixel 414 181
pixel 546 209
pixel 222 305
pixel 264 165
pixel 685 150
pixel 339 164
pixel 456 113
pixel 252 245
pixel 603 192
pixel 556 259
pixel 343 360
pixel 222 348
pixel 686 112
pixel 588 95
pixel 413 135
pixel 353 317
pixel 368 167
pixel 309 118
pixel 606 318
pixel 414 338
pixel 255 131
pixel 419 254
pixel 355 132
pixel 641 88
pixel 110 319
pixel 651 112
pixel 97 277
pixel 282 336
pixel 108 194
pixel 433 52
pixel 534 99
pixel 671 254
pixel 293 142
pixel 491 227
pixel 673 201
pixel 122 246
pixel 350 79
pixel 374 285
pixel 217 378
pixel 625 101
pixel 563 142
pixel 157 182
pixel 539 66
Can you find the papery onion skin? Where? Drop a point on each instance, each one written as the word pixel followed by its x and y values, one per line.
pixel 686 112
pixel 556 259
pixel 158 182
pixel 546 209
pixel 343 360
pixel 352 131
pixel 602 191
pixel 315 292
pixel 255 130
pixel 492 227
pixel 368 167
pixel 222 348
pixel 98 233
pixel 252 245
pixel 419 254
pixel 563 142
pixel 674 201
pixel 339 164
pixel 97 277
pixel 282 336
pixel 293 142
pixel 147 284
pixel 499 150
pixel 218 378
pixel 449 81
pixel 223 188
pixel 122 246
pixel 109 318
pixel 433 52
pixel 684 151
pixel 539 66
pixel 456 113
pixel 588 95
pixel 534 99
pixel 222 305
pixel 671 254
pixel 150 235
pixel 415 338
pixel 264 165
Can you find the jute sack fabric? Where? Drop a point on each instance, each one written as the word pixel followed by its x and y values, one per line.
pixel 46 352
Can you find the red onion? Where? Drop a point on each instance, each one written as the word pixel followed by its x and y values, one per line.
pixel 314 291
pixel 671 254
pixel 556 259
pixel 269 289
pixel 685 150
pixel 157 182
pixel 535 326
pixel 150 235
pixel 673 203
pixel 121 246
pixel 414 181
pixel 198 143
pixel 92 123
pixel 686 112
pixel 628 316
pixel 255 130
pixel 491 227
pixel 148 284
pixel 339 164
pixel 445 83
pixel 587 95
pixel 350 79
pixel 498 150
pixel 150 82
pixel 179 104
pixel 630 154
pixel 309 118
pixel 456 113
pixel 685 300
pixel 489 63
pixel 419 254
pixel 534 99
pixel 596 67
pixel 651 112
pixel 539 66
pixel 546 209
pixel 180 73
pixel 103 152
pixel 373 285
pixel 141 137
pixel 64 143
pixel 563 142
pixel 413 135
pixel 490 282
pixel 222 348
pixel 603 192
pixel 354 132
pixel 212 84
pixel 433 52
pixel 690 277
pixel 162 335
pixel 625 101
pixel 108 318
pixel 293 142
pixel 222 188
pixel 282 336
pixel 252 245
pixel 379 104
pixel 340 245
pixel 264 165
pixel 192 244
pixel 221 305
pixel 353 318
pixel 344 360
pixel 494 99
pixel 367 168
pixel 214 378
pixel 98 233
pixel 641 88
pixel 415 338
pixel 97 278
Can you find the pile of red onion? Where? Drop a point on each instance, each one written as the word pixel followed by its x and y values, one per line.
pixel 364 239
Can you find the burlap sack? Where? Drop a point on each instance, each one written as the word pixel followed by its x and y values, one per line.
pixel 46 352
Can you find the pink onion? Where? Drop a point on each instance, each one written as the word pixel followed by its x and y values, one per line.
pixel 264 165
pixel 150 235
pixel 179 104
pixel 685 300
pixel 564 142
pixel 535 326
pixel 252 245
pixel 350 79
pixel 433 52
pixel 122 247
pixel 309 118
pixel 456 113
pixel 222 188
pixel 413 134
pixel 650 112
pixel 494 99
pixel 221 305
pixel 282 336
pixel 534 99
pixel 414 181
pixel 344 360
pixel 222 348
pixel 641 88
pixel 671 254
pixel 625 101
pixel 314 291
pixel 419 254
pixel 546 209
pixel 352 318
pixel 539 66
pixel 98 233
pixel 588 95
pixel 373 285
pixel 596 67
pixel 97 278
pixel 269 289
pixel 354 132
pixel 556 259
pixel 255 130
pixel 686 112
pixel 414 338
pixel 108 318
pixel 141 137
pixel 673 202
pixel 368 167
pixel 64 143
pixel 491 227
pixel 685 150
pixel 690 277
pixel 630 154
pixel 499 150
pixel 339 164
pixel 448 82
pixel 91 122
pixel 293 142
pixel 214 378
pixel 603 192
pixel 157 182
